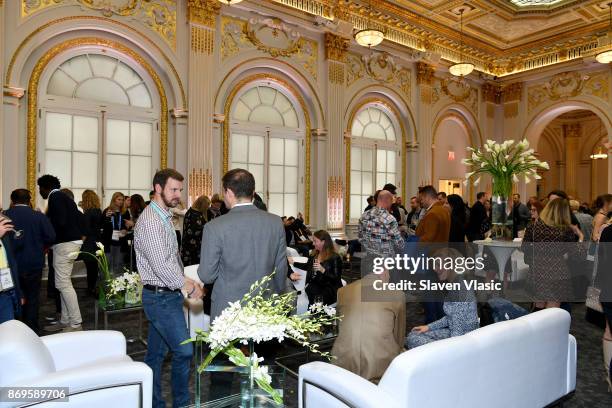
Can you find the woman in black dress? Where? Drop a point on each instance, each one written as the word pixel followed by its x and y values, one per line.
pixel 92 223
pixel 456 237
pixel 324 270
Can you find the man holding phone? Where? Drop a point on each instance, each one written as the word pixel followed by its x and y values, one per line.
pixel 10 295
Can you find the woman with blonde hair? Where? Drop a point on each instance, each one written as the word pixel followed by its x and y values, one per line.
pixel 114 231
pixel 92 223
pixel 546 242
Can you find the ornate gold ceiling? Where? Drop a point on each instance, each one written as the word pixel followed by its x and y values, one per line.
pixel 501 37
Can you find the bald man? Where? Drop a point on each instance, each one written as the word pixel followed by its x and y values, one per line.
pixel 379 232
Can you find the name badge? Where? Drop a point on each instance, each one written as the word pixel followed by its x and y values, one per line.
pixel 6 279
pixel 116 235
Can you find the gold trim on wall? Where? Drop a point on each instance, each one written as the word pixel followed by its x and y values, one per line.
pixel 307 139
pixel 202 40
pixel 348 137
pixel 32 131
pixel 313 91
pixel 11 64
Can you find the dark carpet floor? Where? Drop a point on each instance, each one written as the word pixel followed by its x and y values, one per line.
pixel 591 389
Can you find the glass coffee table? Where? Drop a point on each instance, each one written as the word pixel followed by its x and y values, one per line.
pixel 108 309
pixel 292 362
pixel 242 391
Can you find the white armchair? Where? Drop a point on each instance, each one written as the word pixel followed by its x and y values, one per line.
pixel 92 364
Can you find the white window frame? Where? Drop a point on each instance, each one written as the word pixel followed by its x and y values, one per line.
pixel 268 132
pixel 102 110
pixel 376 145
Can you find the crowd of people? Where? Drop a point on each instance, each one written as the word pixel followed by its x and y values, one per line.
pixel 235 242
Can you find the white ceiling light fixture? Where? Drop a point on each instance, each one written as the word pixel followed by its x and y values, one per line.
pixel 230 2
pixel 600 153
pixel 605 57
pixel 461 68
pixel 370 36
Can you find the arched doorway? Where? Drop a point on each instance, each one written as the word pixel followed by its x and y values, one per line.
pixel 450 141
pixel 569 143
pixel 267 128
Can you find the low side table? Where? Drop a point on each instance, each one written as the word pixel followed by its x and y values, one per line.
pixel 106 311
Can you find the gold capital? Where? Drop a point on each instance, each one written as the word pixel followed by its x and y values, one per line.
pixel 491 92
pixel 425 73
pixel 203 12
pixel 513 92
pixel 336 47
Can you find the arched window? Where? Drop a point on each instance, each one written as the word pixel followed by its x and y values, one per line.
pixel 375 152
pixel 267 139
pixel 100 125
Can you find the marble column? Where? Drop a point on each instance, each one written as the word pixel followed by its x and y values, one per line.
pixel 571 137
pixel 202 62
pixel 180 124
pixel 425 79
pixel 335 50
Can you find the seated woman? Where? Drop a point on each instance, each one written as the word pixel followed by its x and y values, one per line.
pixel 324 270
pixel 460 309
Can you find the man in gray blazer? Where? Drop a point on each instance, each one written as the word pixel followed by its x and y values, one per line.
pixel 242 246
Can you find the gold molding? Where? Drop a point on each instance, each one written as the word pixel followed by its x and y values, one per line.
pixel 203 12
pixel 313 92
pixel 202 40
pixel 29 37
pixel 336 47
pixel 336 72
pixel 41 64
pixel 307 137
pixel 491 92
pixel 511 109
pixel 348 138
pixel 512 92
pixel 425 73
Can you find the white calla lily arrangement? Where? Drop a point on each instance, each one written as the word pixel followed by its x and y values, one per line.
pixel 261 316
pixel 506 162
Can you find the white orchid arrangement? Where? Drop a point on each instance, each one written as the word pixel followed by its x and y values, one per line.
pixel 505 162
pixel 320 308
pixel 100 257
pixel 127 281
pixel 261 316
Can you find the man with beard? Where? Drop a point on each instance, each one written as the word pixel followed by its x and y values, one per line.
pixel 161 271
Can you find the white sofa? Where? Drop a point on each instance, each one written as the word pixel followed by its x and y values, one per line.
pixel 93 364
pixel 528 362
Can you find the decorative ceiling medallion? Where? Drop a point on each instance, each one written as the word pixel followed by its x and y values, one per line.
pixel 159 15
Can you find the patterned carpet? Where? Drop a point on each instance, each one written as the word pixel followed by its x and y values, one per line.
pixel 591 389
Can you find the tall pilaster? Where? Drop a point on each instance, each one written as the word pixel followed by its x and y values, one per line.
pixel 335 51
pixel 425 79
pixel 321 192
pixel 571 137
pixel 202 62
pixel 412 152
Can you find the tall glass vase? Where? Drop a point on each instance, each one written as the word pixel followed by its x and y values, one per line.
pixel 501 208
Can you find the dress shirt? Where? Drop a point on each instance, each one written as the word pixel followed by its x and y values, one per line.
pixel 157 252
pixel 379 232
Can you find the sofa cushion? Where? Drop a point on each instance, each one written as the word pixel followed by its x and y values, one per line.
pixel 22 354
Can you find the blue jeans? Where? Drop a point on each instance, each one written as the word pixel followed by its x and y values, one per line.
pixel 167 330
pixel 7 306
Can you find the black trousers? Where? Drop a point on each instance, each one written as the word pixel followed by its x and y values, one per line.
pixel 30 288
